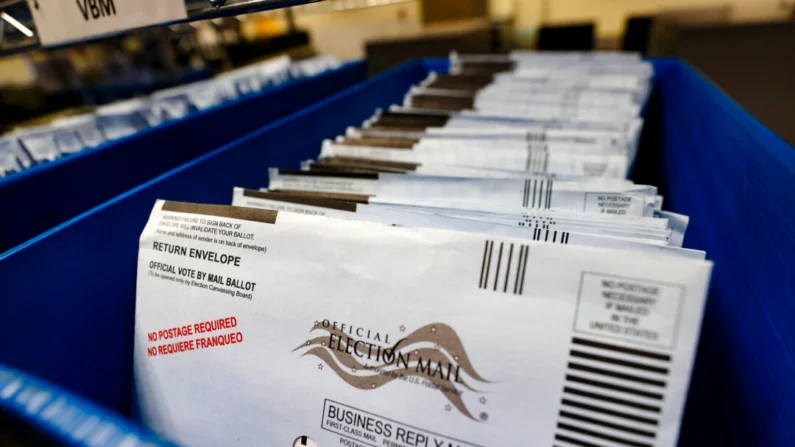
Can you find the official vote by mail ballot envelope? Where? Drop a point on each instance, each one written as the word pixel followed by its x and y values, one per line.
pixel 264 328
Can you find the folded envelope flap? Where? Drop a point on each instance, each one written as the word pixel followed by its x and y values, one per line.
pixel 233 212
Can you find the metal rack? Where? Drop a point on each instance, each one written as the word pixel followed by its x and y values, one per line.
pixel 344 5
pixel 18 30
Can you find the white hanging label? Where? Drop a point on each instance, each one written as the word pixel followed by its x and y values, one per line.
pixel 59 21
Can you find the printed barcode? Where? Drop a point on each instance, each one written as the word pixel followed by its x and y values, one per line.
pixel 503 265
pixel 542 224
pixel 611 395
pixel 537 194
pixel 554 236
pixel 503 269
pixel 537 158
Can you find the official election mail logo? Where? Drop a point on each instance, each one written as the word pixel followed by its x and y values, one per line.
pixel 432 357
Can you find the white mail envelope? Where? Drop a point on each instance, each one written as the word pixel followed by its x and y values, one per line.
pixel 265 328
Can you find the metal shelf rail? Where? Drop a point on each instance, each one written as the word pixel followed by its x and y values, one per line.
pixel 24 24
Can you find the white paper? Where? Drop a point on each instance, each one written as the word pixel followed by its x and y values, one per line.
pixel 118 126
pixel 85 126
pixel 68 141
pixel 541 334
pixel 40 144
pixel 445 170
pixel 12 145
pixel 161 110
pixel 59 21
pixel 548 230
pixel 8 162
pixel 582 146
pixel 616 198
pixel 562 163
pixel 397 185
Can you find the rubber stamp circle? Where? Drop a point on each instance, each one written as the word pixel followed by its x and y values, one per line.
pixel 304 441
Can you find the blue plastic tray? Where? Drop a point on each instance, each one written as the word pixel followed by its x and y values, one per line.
pixel 736 179
pixel 49 194
pixel 69 294
pixel 43 414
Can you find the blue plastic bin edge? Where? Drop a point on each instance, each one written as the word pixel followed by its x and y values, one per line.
pixel 769 139
pixel 62 416
pixel 736 180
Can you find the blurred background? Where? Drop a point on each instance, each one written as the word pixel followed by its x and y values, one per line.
pixel 745 46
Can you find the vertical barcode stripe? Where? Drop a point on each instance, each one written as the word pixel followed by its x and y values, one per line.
pixel 529 191
pixel 535 185
pixel 499 261
pixel 554 236
pixel 541 194
pixel 527 194
pixel 522 254
pixel 522 249
pixel 481 284
pixel 529 156
pixel 546 193
pixel 524 268
pixel 488 265
pixel 508 269
pixel 549 195
pixel 546 160
pixel 546 196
